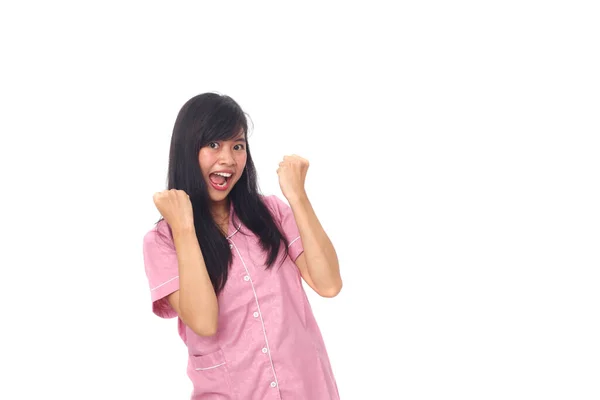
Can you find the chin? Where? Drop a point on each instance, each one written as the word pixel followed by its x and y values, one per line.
pixel 218 198
pixel 216 195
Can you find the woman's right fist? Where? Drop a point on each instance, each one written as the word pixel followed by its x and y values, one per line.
pixel 175 207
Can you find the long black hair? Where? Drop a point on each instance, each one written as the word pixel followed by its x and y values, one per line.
pixel 203 119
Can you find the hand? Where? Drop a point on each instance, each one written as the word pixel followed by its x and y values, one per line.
pixel 176 208
pixel 292 174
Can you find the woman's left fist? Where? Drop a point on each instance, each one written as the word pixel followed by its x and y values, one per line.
pixel 292 174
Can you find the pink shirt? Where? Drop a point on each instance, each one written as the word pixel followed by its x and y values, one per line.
pixel 268 344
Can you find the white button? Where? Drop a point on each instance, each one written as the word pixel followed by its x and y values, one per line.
pixel 255 315
pixel 265 350
pixel 246 278
pixel 230 246
pixel 273 384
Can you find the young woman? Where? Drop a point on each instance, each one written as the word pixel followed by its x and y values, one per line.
pixel 228 262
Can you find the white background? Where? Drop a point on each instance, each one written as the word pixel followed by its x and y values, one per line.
pixel 454 164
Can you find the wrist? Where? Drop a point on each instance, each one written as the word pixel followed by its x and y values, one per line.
pixel 297 198
pixel 180 231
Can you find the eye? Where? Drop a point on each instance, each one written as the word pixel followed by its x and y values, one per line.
pixel 213 145
pixel 239 147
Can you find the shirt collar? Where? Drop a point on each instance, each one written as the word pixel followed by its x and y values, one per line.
pixel 231 225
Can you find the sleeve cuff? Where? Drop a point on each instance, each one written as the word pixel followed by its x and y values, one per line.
pixel 160 304
pixel 295 248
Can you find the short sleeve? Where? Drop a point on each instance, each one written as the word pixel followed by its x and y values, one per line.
pixel 162 271
pixel 285 218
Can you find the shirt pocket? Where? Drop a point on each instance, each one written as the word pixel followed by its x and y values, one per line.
pixel 210 375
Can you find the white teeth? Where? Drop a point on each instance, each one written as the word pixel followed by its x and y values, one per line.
pixel 225 174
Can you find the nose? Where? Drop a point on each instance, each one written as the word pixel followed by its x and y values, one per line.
pixel 226 157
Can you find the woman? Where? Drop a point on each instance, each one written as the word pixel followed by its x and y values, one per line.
pixel 228 262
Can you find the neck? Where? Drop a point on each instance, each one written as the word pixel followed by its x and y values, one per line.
pixel 220 209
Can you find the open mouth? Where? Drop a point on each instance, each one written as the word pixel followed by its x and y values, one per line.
pixel 220 180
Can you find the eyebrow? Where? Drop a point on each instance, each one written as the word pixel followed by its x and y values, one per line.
pixel 241 139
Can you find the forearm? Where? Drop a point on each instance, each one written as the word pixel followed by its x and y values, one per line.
pixel 320 255
pixel 197 299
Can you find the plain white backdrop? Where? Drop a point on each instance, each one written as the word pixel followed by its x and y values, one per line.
pixel 454 164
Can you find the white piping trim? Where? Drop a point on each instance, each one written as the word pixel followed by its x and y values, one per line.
pixel 292 242
pixel 214 366
pixel 261 319
pixel 162 284
pixel 236 231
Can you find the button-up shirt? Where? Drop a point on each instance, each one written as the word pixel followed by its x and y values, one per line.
pixel 268 344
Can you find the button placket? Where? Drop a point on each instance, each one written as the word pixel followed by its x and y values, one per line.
pixel 258 315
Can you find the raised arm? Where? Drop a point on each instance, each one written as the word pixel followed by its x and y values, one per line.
pixel 195 302
pixel 318 264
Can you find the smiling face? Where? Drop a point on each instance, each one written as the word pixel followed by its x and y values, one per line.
pixel 222 163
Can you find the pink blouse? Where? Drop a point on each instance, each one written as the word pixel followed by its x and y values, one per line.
pixel 268 344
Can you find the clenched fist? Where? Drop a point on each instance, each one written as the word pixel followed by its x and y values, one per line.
pixel 292 174
pixel 176 208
